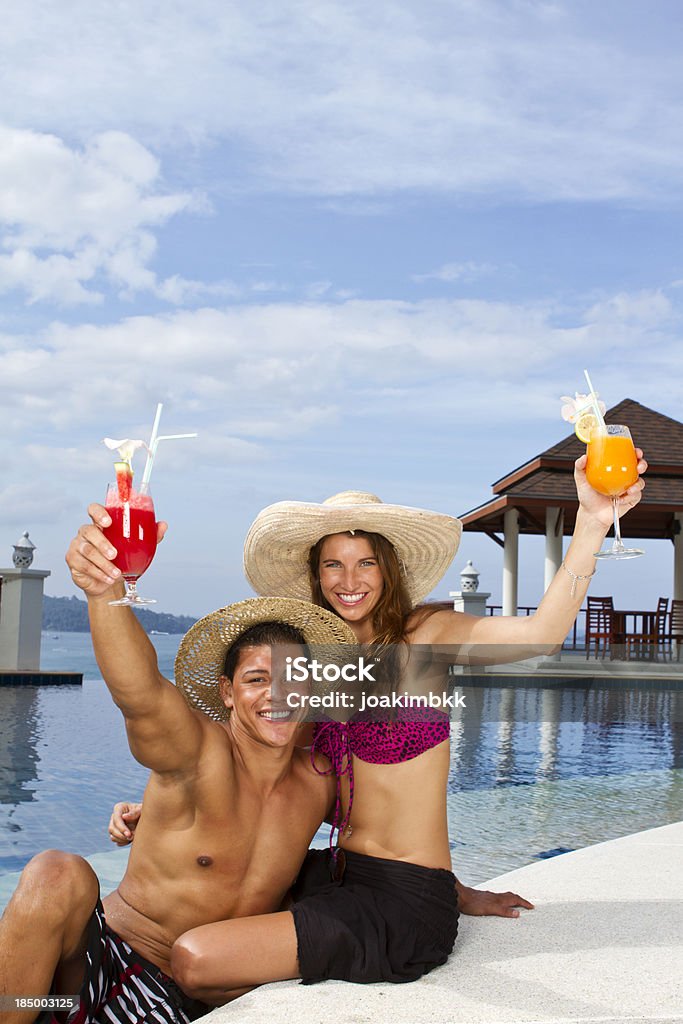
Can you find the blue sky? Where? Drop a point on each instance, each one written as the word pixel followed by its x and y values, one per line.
pixel 354 246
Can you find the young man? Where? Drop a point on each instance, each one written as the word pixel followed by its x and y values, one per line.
pixel 230 808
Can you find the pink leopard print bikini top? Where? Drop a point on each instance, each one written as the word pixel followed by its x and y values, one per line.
pixel 375 741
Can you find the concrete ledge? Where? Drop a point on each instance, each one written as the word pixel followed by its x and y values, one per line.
pixel 37 678
pixel 614 680
pixel 605 944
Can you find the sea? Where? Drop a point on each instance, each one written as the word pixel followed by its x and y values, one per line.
pixel 534 771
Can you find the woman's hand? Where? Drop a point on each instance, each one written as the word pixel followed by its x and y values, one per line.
pixel 123 822
pixel 483 903
pixel 599 506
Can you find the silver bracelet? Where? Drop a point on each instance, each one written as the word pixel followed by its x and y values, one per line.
pixel 575 577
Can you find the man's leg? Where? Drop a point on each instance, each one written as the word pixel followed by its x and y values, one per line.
pixel 43 932
pixel 218 962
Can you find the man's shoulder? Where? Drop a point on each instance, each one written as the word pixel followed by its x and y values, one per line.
pixel 217 752
pixel 217 738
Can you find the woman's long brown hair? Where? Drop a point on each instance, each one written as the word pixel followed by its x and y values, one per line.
pixel 393 608
pixel 391 615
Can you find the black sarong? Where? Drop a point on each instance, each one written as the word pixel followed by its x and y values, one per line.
pixel 365 919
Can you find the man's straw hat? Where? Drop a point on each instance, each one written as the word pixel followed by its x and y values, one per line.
pixel 280 538
pixel 201 655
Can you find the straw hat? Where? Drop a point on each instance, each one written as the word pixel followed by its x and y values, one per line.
pixel 280 538
pixel 201 655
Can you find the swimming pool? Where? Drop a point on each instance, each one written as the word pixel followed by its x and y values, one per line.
pixel 533 770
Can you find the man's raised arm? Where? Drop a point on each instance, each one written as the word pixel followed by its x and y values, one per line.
pixel 163 733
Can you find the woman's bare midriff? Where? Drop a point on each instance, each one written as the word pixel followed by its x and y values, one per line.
pixel 399 810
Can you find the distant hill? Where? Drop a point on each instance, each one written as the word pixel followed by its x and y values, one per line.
pixel 70 615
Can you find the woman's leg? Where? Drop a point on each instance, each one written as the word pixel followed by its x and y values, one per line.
pixel 218 962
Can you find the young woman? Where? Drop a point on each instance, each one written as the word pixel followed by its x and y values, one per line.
pixel 383 906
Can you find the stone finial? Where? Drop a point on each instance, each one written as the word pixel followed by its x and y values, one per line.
pixel 469 579
pixel 23 552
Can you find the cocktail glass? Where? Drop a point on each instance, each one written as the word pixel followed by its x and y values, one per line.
pixel 611 469
pixel 133 532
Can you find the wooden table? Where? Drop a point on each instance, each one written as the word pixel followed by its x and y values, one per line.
pixel 634 629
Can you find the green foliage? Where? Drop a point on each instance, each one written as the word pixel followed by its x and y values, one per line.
pixel 70 615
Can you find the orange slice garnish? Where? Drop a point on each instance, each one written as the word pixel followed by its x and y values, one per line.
pixel 586 426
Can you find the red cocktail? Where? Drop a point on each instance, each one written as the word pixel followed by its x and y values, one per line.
pixel 133 532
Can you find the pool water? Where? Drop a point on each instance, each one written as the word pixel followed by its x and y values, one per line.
pixel 533 771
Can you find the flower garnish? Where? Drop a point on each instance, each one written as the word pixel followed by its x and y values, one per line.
pixel 574 408
pixel 126 448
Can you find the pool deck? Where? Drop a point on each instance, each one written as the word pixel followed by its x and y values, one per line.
pixel 572 668
pixel 604 944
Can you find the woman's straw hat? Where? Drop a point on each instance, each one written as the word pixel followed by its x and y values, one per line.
pixel 280 538
pixel 201 655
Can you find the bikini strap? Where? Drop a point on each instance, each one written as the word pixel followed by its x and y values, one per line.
pixel 332 740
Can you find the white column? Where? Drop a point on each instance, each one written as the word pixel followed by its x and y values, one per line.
pixel 510 561
pixel 21 612
pixel 554 517
pixel 469 602
pixel 678 558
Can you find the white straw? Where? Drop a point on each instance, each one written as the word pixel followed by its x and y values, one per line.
pixel 170 437
pixel 153 445
pixel 155 428
pixel 151 450
pixel 152 453
pixel 594 401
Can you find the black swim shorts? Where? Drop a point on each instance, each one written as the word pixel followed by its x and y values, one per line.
pixel 120 985
pixel 365 919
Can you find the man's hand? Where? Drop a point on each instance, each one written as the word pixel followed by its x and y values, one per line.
pixel 123 822
pixel 90 555
pixel 478 903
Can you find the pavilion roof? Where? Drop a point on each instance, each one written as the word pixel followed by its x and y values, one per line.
pixel 547 480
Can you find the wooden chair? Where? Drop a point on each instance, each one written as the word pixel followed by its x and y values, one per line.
pixel 599 624
pixel 661 626
pixel 675 632
pixel 654 636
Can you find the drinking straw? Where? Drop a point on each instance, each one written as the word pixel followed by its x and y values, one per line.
pixel 594 401
pixel 151 449
pixel 155 426
pixel 153 445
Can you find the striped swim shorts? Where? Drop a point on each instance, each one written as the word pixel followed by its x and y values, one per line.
pixel 120 985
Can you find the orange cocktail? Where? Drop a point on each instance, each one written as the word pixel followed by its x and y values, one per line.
pixel 612 468
pixel 612 465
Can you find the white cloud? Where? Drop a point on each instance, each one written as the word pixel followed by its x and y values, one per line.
pixel 179 291
pixel 265 373
pixel 318 289
pixel 77 220
pixel 411 400
pixel 647 308
pixel 452 272
pixel 34 502
pixel 548 101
